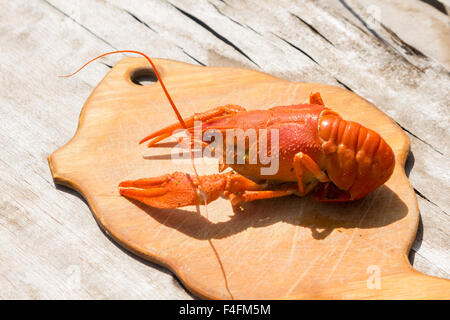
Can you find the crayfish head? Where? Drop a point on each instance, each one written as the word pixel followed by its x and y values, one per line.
pixel 357 160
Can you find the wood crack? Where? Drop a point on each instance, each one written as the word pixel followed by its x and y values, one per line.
pixel 420 194
pixel 344 85
pixel 417 252
pixel 420 139
pixel 109 66
pixel 352 23
pixel 297 48
pixel 215 33
pixel 140 21
pixel 409 49
pixel 232 20
pixel 377 36
pixel 313 29
pixel 193 58
pixel 437 5
pixel 221 13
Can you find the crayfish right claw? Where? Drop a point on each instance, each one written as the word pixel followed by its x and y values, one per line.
pixel 167 191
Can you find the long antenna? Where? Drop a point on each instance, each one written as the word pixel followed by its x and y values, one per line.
pixel 175 109
pixel 180 119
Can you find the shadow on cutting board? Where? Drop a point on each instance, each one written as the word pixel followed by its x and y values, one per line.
pixel 380 208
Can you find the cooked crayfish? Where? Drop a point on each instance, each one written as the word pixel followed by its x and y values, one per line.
pixel 318 153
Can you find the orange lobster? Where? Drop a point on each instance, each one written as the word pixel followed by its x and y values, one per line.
pixel 319 153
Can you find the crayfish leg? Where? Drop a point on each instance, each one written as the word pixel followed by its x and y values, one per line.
pixel 180 189
pixel 303 163
pixel 315 98
pixel 248 196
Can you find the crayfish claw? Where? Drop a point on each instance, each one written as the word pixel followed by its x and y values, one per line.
pixel 167 191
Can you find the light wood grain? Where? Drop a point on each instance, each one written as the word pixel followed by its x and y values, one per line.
pixel 38 112
pixel 288 248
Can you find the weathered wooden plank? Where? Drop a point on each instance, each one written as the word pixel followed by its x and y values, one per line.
pixel 432 238
pixel 441 5
pixel 414 28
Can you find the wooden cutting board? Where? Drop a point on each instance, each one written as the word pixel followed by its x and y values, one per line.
pixel 287 248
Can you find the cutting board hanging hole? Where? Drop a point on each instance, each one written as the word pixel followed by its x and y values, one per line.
pixel 143 77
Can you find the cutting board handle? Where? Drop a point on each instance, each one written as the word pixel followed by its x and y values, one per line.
pixel 414 285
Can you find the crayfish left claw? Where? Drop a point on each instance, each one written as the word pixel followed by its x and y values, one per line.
pixel 167 191
pixel 174 190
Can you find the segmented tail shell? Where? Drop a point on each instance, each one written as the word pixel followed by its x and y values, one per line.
pixel 358 160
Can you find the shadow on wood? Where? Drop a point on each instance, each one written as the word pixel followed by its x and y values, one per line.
pixel 321 218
